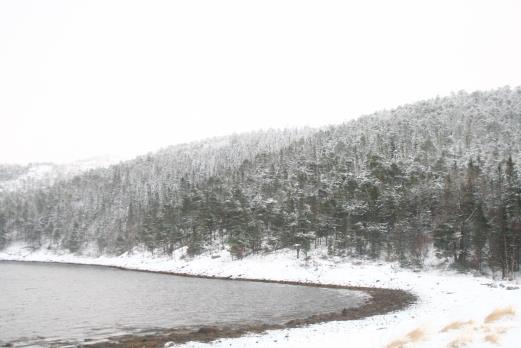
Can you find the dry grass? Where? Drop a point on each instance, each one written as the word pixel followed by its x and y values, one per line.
pixel 500 313
pixel 416 335
pixel 469 330
pixel 460 342
pixel 413 336
pixel 494 339
pixel 456 325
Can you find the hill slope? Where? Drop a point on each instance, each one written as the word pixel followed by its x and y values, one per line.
pixel 438 175
pixel 40 175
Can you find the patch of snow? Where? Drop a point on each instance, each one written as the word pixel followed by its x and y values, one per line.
pixel 451 310
pixel 91 163
pixel 46 174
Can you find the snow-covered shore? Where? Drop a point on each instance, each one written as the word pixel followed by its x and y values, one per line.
pixel 451 310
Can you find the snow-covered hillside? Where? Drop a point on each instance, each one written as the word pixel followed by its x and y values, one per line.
pixel 437 180
pixel 40 175
pixel 439 174
pixel 454 310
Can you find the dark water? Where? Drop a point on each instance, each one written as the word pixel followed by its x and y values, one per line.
pixel 42 303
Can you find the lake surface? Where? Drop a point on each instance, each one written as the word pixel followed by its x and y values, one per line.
pixel 42 303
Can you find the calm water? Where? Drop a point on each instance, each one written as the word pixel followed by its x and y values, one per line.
pixel 41 303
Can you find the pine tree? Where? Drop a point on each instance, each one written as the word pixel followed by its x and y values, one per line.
pixel 3 230
pixel 480 235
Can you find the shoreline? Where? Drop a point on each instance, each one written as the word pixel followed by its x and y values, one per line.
pixel 381 301
pixel 444 297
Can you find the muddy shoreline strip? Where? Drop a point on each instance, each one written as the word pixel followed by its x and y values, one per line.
pixel 382 301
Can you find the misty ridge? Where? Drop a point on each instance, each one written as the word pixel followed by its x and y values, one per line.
pixel 434 180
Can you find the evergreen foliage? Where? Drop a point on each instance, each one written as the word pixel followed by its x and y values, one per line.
pixel 436 175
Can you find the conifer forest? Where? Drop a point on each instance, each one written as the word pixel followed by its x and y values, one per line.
pixel 437 178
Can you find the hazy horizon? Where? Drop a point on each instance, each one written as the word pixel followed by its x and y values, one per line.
pixel 85 79
pixel 121 157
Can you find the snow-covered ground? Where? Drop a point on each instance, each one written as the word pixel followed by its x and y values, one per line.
pixel 453 310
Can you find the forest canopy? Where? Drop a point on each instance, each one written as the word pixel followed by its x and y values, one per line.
pixel 438 176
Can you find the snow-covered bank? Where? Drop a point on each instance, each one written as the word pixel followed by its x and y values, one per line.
pixel 445 298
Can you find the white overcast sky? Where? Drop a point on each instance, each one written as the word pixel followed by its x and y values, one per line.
pixel 87 78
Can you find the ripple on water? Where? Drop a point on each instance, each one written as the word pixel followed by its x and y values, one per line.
pixel 49 302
